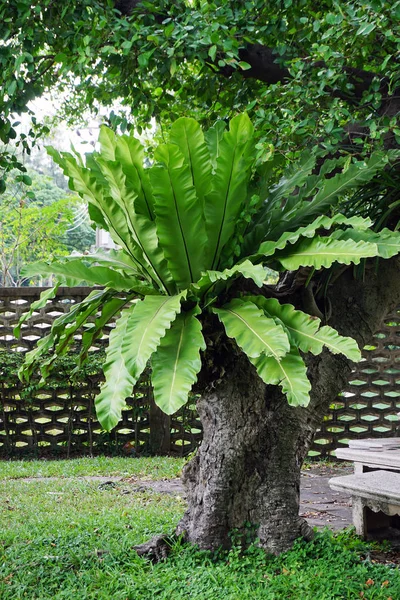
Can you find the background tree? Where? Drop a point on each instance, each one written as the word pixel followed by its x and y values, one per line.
pixel 37 220
pixel 299 71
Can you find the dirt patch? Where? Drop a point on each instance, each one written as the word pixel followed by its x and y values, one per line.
pixel 159 486
pixel 390 558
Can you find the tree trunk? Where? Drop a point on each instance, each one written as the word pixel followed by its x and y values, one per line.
pixel 245 477
pixel 160 430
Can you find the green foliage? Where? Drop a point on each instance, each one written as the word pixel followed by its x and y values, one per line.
pixel 35 218
pixel 254 333
pixel 321 252
pixel 173 239
pixel 289 372
pixel 61 377
pixel 380 199
pixel 30 233
pixel 193 58
pixel 315 198
pixel 41 303
pixel 135 338
pixel 73 270
pixel 305 332
pixel 177 361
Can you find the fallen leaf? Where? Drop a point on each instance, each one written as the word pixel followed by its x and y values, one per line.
pixel 369 582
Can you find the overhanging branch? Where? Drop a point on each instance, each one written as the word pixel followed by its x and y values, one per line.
pixel 265 66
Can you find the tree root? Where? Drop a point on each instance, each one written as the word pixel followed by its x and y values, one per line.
pixel 306 531
pixel 156 549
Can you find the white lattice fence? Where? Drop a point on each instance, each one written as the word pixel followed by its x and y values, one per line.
pixel 61 419
pixel 371 400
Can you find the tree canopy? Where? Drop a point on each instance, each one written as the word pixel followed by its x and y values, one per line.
pixel 327 71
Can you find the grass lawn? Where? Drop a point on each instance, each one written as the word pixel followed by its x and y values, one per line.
pixel 155 467
pixel 71 538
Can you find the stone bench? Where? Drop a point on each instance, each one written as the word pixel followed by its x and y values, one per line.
pixel 365 460
pixel 376 502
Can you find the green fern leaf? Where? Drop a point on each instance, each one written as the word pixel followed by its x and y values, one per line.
pixel 119 382
pixel 136 336
pixel 269 247
pixel 129 153
pixel 73 272
pixel 140 229
pixel 145 327
pixel 45 296
pixel 229 186
pixel 213 138
pixel 246 269
pixel 179 216
pixel 289 372
pixel 301 328
pixel 305 331
pixel 387 241
pixel 188 136
pixel 104 210
pixel 321 252
pixel 339 344
pixel 254 333
pixel 176 362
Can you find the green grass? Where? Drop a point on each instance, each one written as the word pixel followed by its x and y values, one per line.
pixel 152 467
pixel 72 539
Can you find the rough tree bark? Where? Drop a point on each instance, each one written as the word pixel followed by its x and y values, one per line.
pixel 247 470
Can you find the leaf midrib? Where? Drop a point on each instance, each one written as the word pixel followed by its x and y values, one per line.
pixel 149 324
pixel 180 226
pixel 331 345
pixel 351 251
pixel 176 363
pixel 224 211
pixel 348 182
pixel 255 333
pixel 286 376
pixel 307 335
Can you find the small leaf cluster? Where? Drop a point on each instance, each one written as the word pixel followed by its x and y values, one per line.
pixel 35 218
pixel 60 378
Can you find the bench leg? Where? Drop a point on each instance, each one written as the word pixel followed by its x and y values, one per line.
pixel 359 516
